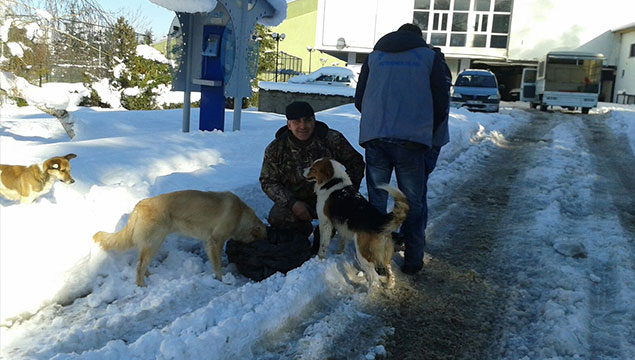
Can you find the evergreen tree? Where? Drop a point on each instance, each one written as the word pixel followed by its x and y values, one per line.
pixel 266 56
pixel 123 42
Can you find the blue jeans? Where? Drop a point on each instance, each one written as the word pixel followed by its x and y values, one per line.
pixel 412 167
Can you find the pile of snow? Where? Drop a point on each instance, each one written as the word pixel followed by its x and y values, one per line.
pixel 68 96
pixel 58 96
pixel 150 53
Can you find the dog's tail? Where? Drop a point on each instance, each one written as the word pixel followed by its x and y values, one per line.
pixel 119 241
pixel 400 209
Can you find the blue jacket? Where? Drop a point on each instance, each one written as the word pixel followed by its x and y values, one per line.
pixel 403 92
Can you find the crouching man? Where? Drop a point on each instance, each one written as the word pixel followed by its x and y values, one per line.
pixel 295 147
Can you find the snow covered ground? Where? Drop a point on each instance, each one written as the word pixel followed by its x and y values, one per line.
pixel 62 297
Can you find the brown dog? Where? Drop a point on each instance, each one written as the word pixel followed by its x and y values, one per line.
pixel 340 207
pixel 211 217
pixel 25 184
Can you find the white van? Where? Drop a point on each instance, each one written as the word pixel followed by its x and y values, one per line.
pixel 569 79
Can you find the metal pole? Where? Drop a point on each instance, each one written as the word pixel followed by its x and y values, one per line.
pixel 238 107
pixel 188 76
pixel 277 52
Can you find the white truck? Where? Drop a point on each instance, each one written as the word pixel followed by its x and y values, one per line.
pixel 569 79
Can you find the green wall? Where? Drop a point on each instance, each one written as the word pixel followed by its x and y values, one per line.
pixel 299 30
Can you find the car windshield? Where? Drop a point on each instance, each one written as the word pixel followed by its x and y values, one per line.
pixel 476 81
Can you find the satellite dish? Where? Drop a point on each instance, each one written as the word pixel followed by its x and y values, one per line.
pixel 341 43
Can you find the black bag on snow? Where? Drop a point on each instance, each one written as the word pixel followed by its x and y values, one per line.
pixel 283 250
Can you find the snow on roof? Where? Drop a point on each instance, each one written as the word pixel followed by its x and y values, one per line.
pixel 194 6
pixel 309 88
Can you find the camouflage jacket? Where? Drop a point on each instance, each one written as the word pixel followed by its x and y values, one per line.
pixel 286 158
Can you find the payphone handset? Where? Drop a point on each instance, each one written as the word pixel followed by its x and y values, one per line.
pixel 212 45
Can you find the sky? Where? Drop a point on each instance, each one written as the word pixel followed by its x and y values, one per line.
pixel 62 297
pixel 157 17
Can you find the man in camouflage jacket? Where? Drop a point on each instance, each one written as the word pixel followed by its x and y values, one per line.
pixel 294 148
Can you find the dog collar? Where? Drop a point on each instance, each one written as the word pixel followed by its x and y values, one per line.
pixel 331 183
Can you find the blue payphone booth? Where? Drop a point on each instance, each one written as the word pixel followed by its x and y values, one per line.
pixel 212 111
pixel 213 50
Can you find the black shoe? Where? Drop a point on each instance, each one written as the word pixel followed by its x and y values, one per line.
pixel 410 270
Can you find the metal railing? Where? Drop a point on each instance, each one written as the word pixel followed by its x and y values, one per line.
pixel 626 99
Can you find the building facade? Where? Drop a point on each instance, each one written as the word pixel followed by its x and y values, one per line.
pixel 503 36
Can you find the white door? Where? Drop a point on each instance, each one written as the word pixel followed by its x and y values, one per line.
pixel 528 86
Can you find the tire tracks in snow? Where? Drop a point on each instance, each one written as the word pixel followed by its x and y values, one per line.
pixel 453 310
pixel 614 161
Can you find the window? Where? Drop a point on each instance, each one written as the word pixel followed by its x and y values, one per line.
pixel 503 5
pixel 500 24
pixel 632 50
pixel 465 23
pixel 440 22
pixel 441 4
pixel 498 42
pixel 458 39
pixel 476 81
pixel 438 39
pixel 462 5
pixel 482 5
pixel 459 22
pixel 422 4
pixel 459 19
pixel 479 41
pixel 480 25
pixel 421 20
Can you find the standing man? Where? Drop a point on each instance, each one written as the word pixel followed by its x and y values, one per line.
pixel 403 97
pixel 295 147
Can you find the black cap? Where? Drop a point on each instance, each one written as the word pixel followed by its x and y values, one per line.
pixel 299 109
pixel 412 28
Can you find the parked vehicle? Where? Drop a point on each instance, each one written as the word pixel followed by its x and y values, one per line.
pixel 514 94
pixel 569 79
pixel 476 90
pixel 328 75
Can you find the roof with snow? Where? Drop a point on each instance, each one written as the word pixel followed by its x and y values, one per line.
pixel 195 6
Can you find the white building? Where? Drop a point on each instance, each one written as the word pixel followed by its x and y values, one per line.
pixel 501 35
pixel 618 46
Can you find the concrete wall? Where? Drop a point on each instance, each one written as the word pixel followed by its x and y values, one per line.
pixel 277 101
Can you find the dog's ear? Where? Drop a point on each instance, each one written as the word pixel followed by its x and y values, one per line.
pixel 70 156
pixel 52 164
pixel 327 169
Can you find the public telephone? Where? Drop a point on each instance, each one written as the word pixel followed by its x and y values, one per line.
pixel 212 109
pixel 212 45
